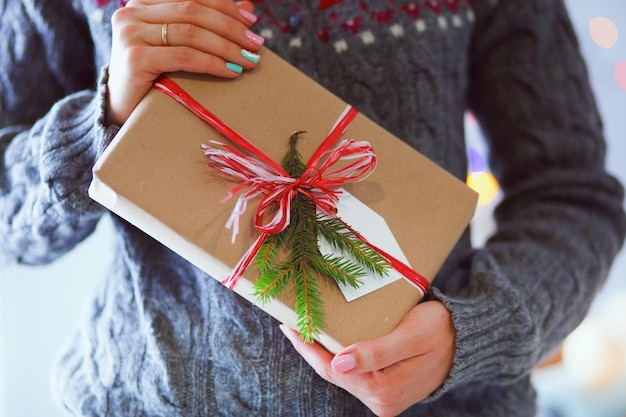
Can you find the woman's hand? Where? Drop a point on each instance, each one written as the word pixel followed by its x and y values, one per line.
pixel 391 373
pixel 203 36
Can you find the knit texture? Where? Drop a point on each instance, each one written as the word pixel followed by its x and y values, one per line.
pixel 163 339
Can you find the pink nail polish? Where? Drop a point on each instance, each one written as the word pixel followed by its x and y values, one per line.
pixel 247 15
pixel 343 363
pixel 254 38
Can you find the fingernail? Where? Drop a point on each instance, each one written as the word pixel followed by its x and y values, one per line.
pixel 343 363
pixel 234 67
pixel 287 332
pixel 252 57
pixel 247 15
pixel 254 38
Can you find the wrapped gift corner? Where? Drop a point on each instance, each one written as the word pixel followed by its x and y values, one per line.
pixel 155 176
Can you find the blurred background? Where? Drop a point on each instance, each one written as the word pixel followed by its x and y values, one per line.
pixel 587 376
pixel 39 306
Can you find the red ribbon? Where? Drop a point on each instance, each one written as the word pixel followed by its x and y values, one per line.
pixel 263 176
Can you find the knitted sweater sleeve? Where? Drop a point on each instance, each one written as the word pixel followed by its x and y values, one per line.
pixel 51 130
pixel 561 221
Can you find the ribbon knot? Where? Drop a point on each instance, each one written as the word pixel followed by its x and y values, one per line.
pixel 278 189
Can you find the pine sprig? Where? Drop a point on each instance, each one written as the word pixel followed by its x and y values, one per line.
pixel 309 307
pixel 268 253
pixel 292 161
pixel 334 231
pixel 304 265
pixel 341 270
pixel 272 282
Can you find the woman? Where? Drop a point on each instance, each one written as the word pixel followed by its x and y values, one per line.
pixel 162 338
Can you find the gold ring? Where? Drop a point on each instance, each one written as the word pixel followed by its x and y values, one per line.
pixel 164 34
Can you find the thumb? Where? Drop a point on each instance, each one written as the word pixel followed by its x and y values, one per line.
pixel 376 354
pixel 410 338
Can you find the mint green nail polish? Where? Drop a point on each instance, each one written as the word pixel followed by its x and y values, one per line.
pixel 234 67
pixel 252 57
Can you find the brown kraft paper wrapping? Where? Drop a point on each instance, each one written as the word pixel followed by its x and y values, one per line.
pixel 155 175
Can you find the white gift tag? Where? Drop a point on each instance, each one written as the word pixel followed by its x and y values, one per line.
pixel 374 228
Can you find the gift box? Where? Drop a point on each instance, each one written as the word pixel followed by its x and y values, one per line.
pixel 155 175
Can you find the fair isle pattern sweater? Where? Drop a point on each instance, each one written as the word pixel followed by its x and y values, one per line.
pixel 163 339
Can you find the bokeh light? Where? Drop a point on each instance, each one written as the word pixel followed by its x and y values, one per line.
pixel 593 356
pixel 620 74
pixel 471 119
pixel 485 184
pixel 476 161
pixel 603 32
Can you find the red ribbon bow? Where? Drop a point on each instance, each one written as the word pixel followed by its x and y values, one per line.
pixel 263 176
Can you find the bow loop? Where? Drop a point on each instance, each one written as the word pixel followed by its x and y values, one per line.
pixel 319 183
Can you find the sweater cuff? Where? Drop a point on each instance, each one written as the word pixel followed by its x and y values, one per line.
pixel 104 133
pixel 496 342
pixel 68 157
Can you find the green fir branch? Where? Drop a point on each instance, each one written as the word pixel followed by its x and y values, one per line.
pixel 309 306
pixel 272 282
pixel 267 255
pixel 335 233
pixel 304 265
pixel 292 161
pixel 340 270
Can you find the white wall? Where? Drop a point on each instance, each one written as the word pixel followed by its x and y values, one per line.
pixel 3 382
pixel 39 307
pixel 602 64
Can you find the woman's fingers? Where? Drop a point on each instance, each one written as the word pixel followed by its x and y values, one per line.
pixel 386 392
pixel 393 372
pixel 377 354
pixel 193 18
pixel 204 41
pixel 195 28
pixel 151 37
pixel 226 7
pixel 407 340
pixel 245 10
pixel 315 355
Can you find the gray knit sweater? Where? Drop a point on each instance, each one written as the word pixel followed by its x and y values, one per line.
pixel 163 339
